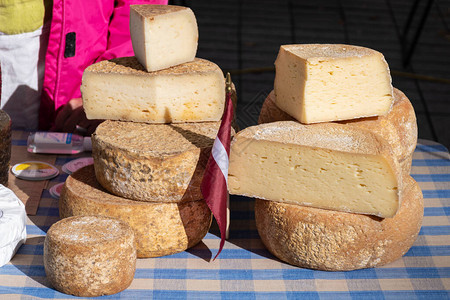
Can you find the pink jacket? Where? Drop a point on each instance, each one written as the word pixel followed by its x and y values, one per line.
pixel 82 33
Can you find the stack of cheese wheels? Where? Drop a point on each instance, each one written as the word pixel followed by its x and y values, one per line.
pixel 162 111
pixel 5 146
pixel 329 163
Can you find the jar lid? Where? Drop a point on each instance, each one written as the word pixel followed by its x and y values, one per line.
pixel 34 170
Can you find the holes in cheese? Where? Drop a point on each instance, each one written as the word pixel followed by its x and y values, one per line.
pixel 120 89
pixel 329 166
pixel 163 35
pixel 330 82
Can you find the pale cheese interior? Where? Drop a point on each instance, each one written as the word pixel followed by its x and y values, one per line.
pixel 164 40
pixel 321 89
pixel 317 177
pixel 154 99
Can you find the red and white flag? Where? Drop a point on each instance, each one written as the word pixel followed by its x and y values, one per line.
pixel 215 178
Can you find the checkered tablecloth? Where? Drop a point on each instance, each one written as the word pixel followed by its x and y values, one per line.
pixel 246 270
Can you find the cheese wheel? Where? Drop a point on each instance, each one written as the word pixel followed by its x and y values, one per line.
pixel 5 146
pixel 121 89
pixel 398 127
pixel 337 241
pixel 160 228
pixel 329 166
pixel 153 162
pixel 90 256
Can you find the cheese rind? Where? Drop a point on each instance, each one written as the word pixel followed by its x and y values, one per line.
pixel 163 35
pixel 331 166
pixel 160 228
pixel 337 241
pixel 120 89
pixel 153 162
pixel 90 256
pixel 330 82
pixel 398 127
pixel 5 146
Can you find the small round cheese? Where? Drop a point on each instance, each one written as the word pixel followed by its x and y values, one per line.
pixel 160 228
pixel 337 241
pixel 90 256
pixel 13 219
pixel 398 127
pixel 5 146
pixel 153 162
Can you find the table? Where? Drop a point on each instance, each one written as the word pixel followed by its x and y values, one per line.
pixel 245 269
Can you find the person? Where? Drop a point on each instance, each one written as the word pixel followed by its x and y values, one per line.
pixel 70 36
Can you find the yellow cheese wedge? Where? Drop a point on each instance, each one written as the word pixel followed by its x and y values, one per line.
pixel 330 82
pixel 163 35
pixel 398 127
pixel 121 89
pixel 331 166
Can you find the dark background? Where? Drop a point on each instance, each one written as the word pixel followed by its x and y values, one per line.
pixel 243 37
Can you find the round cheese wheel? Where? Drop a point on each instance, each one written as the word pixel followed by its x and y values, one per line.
pixel 153 162
pixel 337 241
pixel 398 127
pixel 13 220
pixel 5 146
pixel 160 228
pixel 90 256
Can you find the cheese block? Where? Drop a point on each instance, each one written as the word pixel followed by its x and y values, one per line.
pixel 121 89
pixel 337 241
pixel 398 127
pixel 5 146
pixel 163 36
pixel 160 228
pixel 90 256
pixel 330 82
pixel 153 162
pixel 330 166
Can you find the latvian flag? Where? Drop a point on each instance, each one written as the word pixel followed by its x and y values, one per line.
pixel 215 178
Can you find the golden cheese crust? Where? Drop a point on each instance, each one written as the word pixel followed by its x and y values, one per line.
pixel 398 127
pixel 149 11
pixel 90 256
pixel 337 241
pixel 160 228
pixel 131 66
pixel 153 162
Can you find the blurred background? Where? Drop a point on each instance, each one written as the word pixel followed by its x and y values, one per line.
pixel 243 37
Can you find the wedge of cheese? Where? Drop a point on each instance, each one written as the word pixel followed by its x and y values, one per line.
pixel 329 240
pixel 330 82
pixel 398 127
pixel 330 166
pixel 160 228
pixel 163 35
pixel 153 162
pixel 121 89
